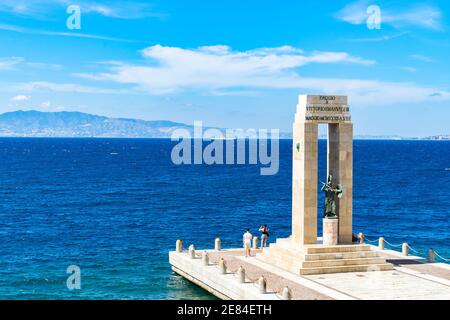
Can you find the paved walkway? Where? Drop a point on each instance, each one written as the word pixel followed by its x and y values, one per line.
pixel 254 269
pixel 411 279
pixel 385 285
pixel 420 265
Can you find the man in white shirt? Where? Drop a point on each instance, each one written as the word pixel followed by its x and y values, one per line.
pixel 247 239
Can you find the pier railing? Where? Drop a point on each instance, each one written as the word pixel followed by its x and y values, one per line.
pixel 218 243
pixel 432 255
pixel 221 264
pixel 405 247
pixel 260 281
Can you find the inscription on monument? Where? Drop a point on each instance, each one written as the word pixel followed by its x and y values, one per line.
pixel 327 98
pixel 326 109
pixel 328 118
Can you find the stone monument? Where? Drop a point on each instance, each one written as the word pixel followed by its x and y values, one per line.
pixel 302 252
pixel 313 110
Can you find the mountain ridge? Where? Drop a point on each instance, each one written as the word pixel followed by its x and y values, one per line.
pixel 76 124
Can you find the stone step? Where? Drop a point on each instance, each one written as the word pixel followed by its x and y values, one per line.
pixel 337 249
pixel 342 262
pixel 284 241
pixel 286 262
pixel 341 255
pixel 276 256
pixel 299 256
pixel 341 269
pixel 284 250
pixel 283 246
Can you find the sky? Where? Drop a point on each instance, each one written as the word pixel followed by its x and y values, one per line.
pixel 234 64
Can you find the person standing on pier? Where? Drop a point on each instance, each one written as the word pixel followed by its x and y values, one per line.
pixel 247 239
pixel 264 235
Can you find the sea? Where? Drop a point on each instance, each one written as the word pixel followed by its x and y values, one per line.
pixel 115 207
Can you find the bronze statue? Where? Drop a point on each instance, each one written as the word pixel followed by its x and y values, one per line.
pixel 330 194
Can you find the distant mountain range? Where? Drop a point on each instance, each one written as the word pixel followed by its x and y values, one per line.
pixel 78 124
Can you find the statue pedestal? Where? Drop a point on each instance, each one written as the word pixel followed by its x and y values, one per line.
pixel 330 232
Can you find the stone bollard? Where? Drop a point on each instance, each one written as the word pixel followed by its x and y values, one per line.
pixel 241 275
pixel 255 243
pixel 217 244
pixel 262 285
pixel 361 237
pixel 431 255
pixel 205 259
pixel 381 243
pixel 179 246
pixel 286 294
pixel 191 251
pixel 405 249
pixel 222 266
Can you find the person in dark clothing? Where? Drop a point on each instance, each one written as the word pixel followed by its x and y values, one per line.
pixel 264 235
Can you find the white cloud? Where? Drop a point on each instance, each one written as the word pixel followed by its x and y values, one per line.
pixel 420 57
pixel 218 70
pixel 13 28
pixel 48 107
pixel 10 63
pixel 65 87
pixel 374 93
pixel 42 65
pixel 20 97
pixel 45 105
pixel 409 69
pixel 120 10
pixel 423 16
pixel 381 38
pixel 113 9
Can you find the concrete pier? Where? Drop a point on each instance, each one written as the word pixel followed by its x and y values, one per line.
pixel 411 278
pixel 305 266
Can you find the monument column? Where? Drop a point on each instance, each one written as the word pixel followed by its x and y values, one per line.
pixel 345 177
pixel 304 181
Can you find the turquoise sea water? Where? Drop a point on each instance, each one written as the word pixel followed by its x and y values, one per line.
pixel 115 207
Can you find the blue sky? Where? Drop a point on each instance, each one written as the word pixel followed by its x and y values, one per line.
pixel 237 64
